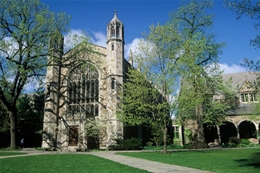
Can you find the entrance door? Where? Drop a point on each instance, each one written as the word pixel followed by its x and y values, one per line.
pixel 73 136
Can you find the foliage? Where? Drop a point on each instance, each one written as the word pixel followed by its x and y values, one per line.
pixel 66 163
pixel 234 140
pixel 197 66
pixel 4 123
pixel 96 128
pixel 154 85
pixel 157 136
pixel 30 118
pixel 143 103
pixel 239 160
pixel 127 144
pixel 25 30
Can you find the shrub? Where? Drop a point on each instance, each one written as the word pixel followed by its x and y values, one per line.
pixel 127 144
pixel 245 142
pixel 234 140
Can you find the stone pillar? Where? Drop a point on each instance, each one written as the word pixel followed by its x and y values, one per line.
pixel 238 135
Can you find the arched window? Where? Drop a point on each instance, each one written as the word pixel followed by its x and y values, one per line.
pixel 117 31
pixel 113 31
pixel 83 91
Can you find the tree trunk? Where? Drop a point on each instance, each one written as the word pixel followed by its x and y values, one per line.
pixel 13 129
pixel 198 140
pixel 165 140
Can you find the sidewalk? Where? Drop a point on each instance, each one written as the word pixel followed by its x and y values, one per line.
pixel 147 165
pixel 150 166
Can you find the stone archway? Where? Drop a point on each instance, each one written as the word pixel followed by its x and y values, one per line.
pixel 210 132
pixel 247 130
pixel 227 130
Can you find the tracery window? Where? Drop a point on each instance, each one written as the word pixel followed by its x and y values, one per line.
pixel 83 91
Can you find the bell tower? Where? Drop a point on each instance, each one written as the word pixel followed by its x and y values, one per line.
pixel 115 49
pixel 115 73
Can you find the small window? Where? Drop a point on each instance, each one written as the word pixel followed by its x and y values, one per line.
pixel 176 133
pixel 112 47
pixel 113 83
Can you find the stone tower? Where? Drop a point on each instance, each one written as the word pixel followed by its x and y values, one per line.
pixel 52 94
pixel 115 74
pixel 115 49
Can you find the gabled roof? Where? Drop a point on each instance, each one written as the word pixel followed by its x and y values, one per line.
pixel 246 87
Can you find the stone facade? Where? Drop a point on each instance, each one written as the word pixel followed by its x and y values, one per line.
pixel 84 92
pixel 242 123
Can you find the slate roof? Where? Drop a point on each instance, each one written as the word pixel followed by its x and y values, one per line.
pixel 243 109
pixel 238 79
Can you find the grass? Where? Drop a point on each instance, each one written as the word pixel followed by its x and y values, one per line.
pixel 7 153
pixel 65 163
pixel 222 161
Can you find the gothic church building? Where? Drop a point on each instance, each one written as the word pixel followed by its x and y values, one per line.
pixel 83 92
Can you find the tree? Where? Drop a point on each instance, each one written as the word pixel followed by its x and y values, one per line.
pixel 198 70
pixel 251 9
pixel 25 30
pixel 143 104
pixel 96 128
pixel 148 93
pixel 30 110
pixel 201 84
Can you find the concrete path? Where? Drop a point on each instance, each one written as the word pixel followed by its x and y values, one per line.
pixel 150 166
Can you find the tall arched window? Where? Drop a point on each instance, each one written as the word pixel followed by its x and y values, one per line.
pixel 117 31
pixel 83 91
pixel 113 31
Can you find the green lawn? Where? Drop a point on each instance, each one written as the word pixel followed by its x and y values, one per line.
pixel 64 163
pixel 7 153
pixel 223 161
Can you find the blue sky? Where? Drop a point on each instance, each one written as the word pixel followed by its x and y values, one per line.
pixel 93 17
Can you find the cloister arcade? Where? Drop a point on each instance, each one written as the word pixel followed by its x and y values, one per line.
pixel 244 129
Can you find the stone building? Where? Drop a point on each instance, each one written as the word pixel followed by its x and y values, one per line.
pixel 87 90
pixel 242 123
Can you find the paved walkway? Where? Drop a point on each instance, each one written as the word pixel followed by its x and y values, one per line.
pixel 150 166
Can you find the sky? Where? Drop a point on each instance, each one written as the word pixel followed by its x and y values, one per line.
pixel 92 17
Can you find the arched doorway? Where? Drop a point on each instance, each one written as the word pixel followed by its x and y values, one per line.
pixel 227 130
pixel 210 132
pixel 247 130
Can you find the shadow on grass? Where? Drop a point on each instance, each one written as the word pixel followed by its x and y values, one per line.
pixel 253 160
